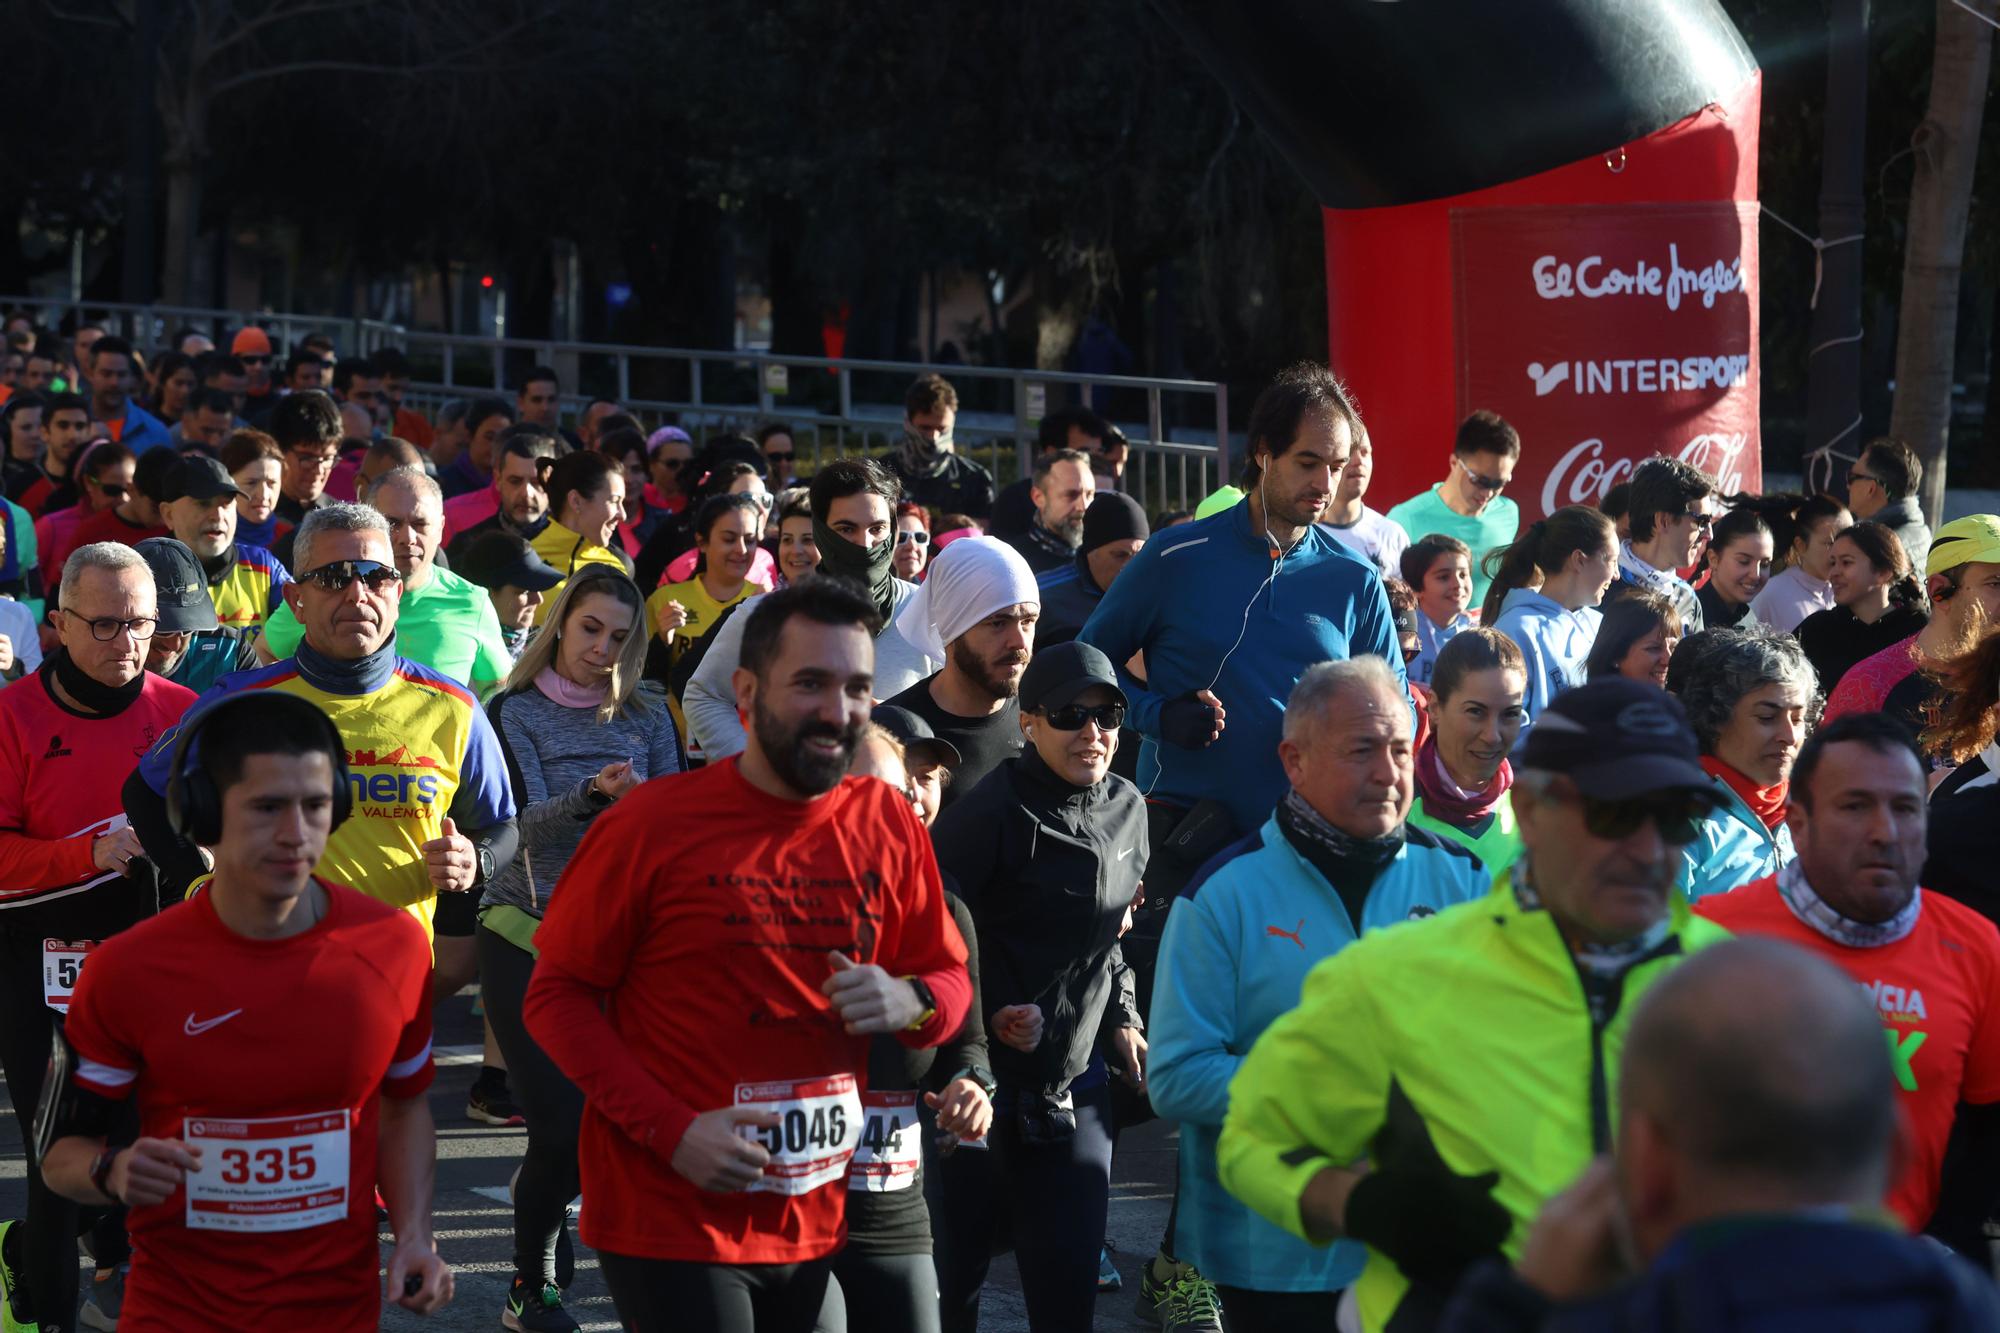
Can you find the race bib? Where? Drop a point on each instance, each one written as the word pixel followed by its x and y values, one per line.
pixel 283 1174
pixel 62 962
pixel 819 1119
pixel 891 1143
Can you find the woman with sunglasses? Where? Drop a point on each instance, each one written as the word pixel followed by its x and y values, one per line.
pixel 105 473
pixel 1048 852
pixel 1462 773
pixel 581 728
pixel 1750 696
pixel 913 542
pixel 1877 601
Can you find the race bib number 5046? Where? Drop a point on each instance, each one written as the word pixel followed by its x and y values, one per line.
pixel 818 1121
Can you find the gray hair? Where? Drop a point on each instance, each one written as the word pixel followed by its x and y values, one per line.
pixel 414 480
pixel 1729 663
pixel 110 557
pixel 1324 682
pixel 334 518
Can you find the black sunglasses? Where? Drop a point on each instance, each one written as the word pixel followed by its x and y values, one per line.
pixel 780 455
pixel 336 575
pixel 111 488
pixel 1108 717
pixel 1679 816
pixel 1855 474
pixel 255 360
pixel 1483 483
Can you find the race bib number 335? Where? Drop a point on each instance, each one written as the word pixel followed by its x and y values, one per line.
pixel 282 1174
pixel 818 1122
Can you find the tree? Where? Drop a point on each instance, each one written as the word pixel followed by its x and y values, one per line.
pixel 1946 150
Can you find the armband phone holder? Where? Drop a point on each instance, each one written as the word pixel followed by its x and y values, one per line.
pixel 57 1107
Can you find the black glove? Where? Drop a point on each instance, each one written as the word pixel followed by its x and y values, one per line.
pixel 1432 1224
pixel 1187 722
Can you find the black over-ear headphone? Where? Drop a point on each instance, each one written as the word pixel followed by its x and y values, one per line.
pixel 194 806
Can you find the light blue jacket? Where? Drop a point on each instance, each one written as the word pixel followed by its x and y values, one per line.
pixel 1554 641
pixel 1234 958
pixel 1732 849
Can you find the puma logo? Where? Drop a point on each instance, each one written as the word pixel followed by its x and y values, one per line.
pixel 1292 934
pixel 1546 381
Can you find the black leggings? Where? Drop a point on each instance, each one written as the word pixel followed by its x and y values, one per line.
pixel 551 1103
pixel 657 1295
pixel 887 1293
pixel 27 1032
pixel 1278 1311
pixel 1055 1198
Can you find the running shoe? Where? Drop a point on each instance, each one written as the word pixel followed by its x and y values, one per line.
pixel 10 1281
pixel 1153 1291
pixel 532 1310
pixel 1108 1278
pixel 492 1106
pixel 102 1302
pixel 1192 1305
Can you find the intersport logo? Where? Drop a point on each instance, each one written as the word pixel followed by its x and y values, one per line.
pixel 1640 375
pixel 1581 476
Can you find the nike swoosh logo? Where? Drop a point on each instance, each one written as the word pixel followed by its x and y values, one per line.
pixel 194 1029
pixel 1127 852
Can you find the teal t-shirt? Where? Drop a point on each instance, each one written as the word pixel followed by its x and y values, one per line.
pixel 448 625
pixel 1423 514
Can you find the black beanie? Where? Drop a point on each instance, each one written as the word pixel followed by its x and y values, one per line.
pixel 1113 517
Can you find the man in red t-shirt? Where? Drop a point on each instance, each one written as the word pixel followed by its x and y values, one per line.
pixel 72 874
pixel 731 939
pixel 274 1032
pixel 1930 965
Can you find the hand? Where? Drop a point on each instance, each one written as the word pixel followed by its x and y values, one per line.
pixel 6 653
pixel 413 1260
pixel 1429 1222
pixel 614 780
pixel 151 1170
pixel 451 860
pixel 1128 1052
pixel 1192 721
pixel 1125 922
pixel 671 617
pixel 1573 1249
pixel 715 1157
pixel 963 1109
pixel 1019 1026
pixel 115 850
pixel 868 999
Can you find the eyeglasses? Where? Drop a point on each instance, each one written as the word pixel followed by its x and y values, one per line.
pixel 105 628
pixel 337 575
pixel 780 455
pixel 1855 474
pixel 113 489
pixel 255 360
pixel 1479 482
pixel 1108 717
pixel 918 536
pixel 1702 522
pixel 1678 816
pixel 323 462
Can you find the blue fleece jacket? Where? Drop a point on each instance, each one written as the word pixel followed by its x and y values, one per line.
pixel 1186 599
pixel 1555 641
pixel 1234 958
pixel 1733 848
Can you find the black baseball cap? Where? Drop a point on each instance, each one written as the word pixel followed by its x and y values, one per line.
pixel 1055 676
pixel 199 477
pixel 919 741
pixel 501 560
pixel 182 587
pixel 1616 738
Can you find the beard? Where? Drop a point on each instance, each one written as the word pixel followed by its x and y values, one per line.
pixel 985 674
pixel 798 765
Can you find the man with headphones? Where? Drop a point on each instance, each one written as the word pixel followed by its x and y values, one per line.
pixel 251 1184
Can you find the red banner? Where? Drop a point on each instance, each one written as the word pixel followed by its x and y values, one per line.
pixel 1609 333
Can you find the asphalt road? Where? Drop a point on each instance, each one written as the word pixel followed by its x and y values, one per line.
pixel 474 1222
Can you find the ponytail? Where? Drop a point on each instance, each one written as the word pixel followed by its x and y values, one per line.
pixel 1543 549
pixel 1883 550
pixel 1509 567
pixel 1907 590
pixel 1968 715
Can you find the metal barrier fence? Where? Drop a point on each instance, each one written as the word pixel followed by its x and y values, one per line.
pixel 1178 429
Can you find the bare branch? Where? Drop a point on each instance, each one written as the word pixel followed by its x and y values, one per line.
pixel 68 16
pixel 433 66
pixel 279 14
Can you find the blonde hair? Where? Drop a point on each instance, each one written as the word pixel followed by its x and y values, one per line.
pixel 627 673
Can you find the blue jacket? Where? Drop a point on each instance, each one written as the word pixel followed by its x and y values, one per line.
pixel 142 430
pixel 1732 849
pixel 1755 1275
pixel 1196 592
pixel 1069 596
pixel 1234 958
pixel 1555 642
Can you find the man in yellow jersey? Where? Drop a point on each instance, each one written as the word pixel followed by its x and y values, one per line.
pixel 434 812
pixel 1440 1081
pixel 245 582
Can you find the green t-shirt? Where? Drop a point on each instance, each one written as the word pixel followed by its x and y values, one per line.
pixel 1421 515
pixel 448 625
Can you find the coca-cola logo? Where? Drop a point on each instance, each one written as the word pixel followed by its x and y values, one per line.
pixel 1582 475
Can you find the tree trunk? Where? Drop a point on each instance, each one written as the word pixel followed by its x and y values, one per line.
pixel 183 221
pixel 1833 368
pixel 1946 148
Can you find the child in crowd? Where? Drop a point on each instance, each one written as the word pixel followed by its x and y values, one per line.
pixel 1440 569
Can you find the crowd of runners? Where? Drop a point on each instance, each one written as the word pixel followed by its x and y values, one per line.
pixel 848 849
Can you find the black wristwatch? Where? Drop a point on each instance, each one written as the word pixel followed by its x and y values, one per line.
pixel 595 795
pixel 100 1173
pixel 926 999
pixel 980 1075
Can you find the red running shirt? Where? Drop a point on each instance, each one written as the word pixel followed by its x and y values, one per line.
pixel 701 910
pixel 1865 687
pixel 1936 991
pixel 270 1054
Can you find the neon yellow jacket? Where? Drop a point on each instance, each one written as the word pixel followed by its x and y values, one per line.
pixel 1497 846
pixel 1468 1034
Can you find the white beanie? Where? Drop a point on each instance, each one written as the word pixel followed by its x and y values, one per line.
pixel 970 580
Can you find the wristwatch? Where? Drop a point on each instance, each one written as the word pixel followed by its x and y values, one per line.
pixel 926 999
pixel 100 1173
pixel 977 1074
pixel 595 795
